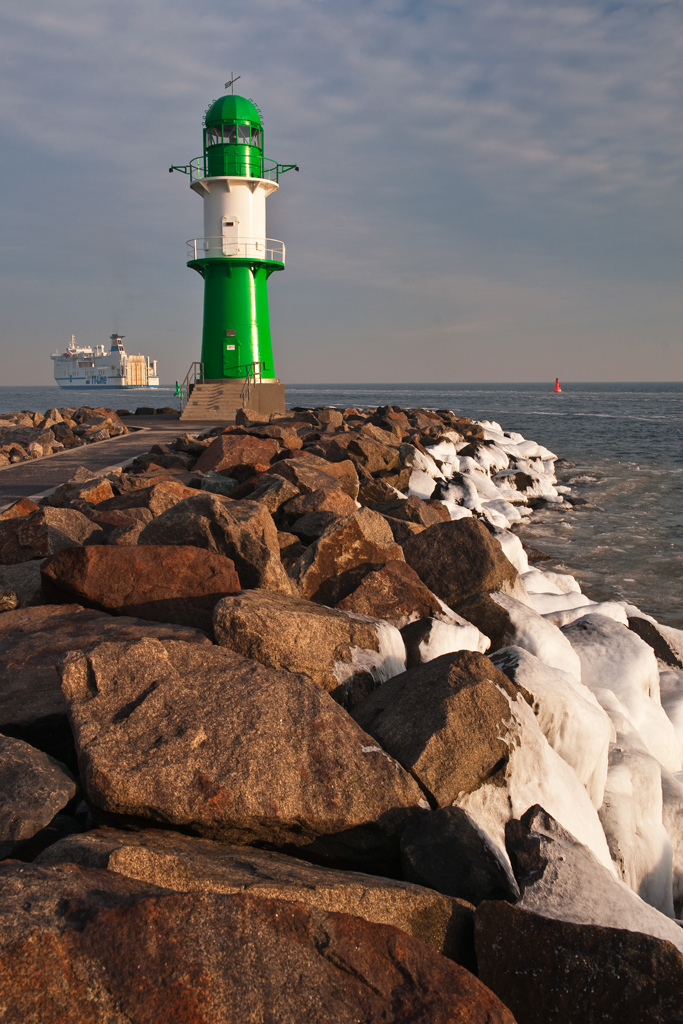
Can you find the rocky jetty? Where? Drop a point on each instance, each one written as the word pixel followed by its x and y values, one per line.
pixel 292 730
pixel 33 435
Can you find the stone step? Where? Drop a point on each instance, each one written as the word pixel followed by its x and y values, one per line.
pixel 218 401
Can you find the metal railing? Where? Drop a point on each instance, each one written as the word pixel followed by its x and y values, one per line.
pixel 195 375
pixel 253 376
pixel 247 248
pixel 242 168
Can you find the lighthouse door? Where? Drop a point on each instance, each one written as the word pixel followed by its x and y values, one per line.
pixel 230 229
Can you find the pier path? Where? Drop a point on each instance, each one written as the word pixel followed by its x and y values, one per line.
pixel 29 479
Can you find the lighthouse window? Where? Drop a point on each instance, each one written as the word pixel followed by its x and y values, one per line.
pixel 244 134
pixel 229 133
pixel 213 136
pixel 255 137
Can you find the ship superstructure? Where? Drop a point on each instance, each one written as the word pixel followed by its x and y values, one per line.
pixel 96 367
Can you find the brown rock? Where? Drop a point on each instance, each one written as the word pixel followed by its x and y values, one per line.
pixel 362 538
pixel 23 507
pixel 393 592
pixel 313 525
pixel 241 530
pixel 387 437
pixel 458 559
pixel 657 638
pixel 329 419
pixel 237 455
pixel 172 583
pixel 45 532
pixel 33 788
pixel 203 739
pixel 546 970
pixel 94 947
pixel 290 547
pixel 272 492
pixel 94 491
pixel 372 491
pixel 313 473
pixel 157 498
pixel 345 656
pixel 412 509
pixel 324 499
pixel 401 530
pixel 372 455
pixel 174 861
pixel 454 703
pixel 32 642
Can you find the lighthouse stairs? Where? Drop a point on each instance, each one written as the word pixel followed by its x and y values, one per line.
pixel 218 400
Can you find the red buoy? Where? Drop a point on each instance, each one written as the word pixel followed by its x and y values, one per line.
pixel 557 384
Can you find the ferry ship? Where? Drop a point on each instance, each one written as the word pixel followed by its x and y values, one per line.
pixel 87 367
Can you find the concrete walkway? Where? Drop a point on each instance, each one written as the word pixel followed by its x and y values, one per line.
pixel 28 479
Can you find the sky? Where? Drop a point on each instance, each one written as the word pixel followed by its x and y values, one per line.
pixel 490 190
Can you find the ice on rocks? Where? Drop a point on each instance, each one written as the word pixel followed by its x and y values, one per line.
pixel 388 661
pixel 569 715
pixel 535 774
pixel 671 696
pixel 631 816
pixel 514 551
pixel 538 581
pixel 447 637
pixel 616 659
pixel 421 484
pixel 610 609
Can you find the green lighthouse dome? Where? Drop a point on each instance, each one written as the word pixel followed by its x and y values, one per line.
pixel 233 138
pixel 232 109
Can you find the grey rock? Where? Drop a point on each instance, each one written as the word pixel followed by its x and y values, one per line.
pixel 446 852
pixel 33 787
pixel 560 878
pixel 205 740
pixel 24 580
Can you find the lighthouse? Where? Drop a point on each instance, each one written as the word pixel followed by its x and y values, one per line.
pixel 235 258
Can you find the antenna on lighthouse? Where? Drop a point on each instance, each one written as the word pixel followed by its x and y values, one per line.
pixel 231 83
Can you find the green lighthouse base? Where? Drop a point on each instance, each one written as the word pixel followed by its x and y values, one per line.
pixel 236 340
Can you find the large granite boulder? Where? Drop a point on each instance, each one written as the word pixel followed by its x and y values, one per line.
pixel 414 510
pixel 45 532
pixel 458 559
pixel 170 583
pixel 157 498
pixel 206 740
pixel 175 861
pixel 313 473
pixel 33 641
pixel 81 944
pixel 241 530
pixel 548 970
pixel 325 573
pixel 348 656
pixel 238 456
pixel 324 499
pixel 33 788
pixel 456 703
pixel 23 579
pixel 393 592
pixel 95 490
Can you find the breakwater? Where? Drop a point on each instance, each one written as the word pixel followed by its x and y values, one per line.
pixel 268 657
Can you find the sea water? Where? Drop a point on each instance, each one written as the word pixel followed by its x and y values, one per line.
pixel 625 440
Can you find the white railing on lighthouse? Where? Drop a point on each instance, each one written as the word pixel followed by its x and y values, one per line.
pixel 247 248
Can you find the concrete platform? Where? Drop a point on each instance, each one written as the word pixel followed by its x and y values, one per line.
pixel 28 479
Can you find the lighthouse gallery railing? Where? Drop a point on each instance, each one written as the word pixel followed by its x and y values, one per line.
pixel 246 248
